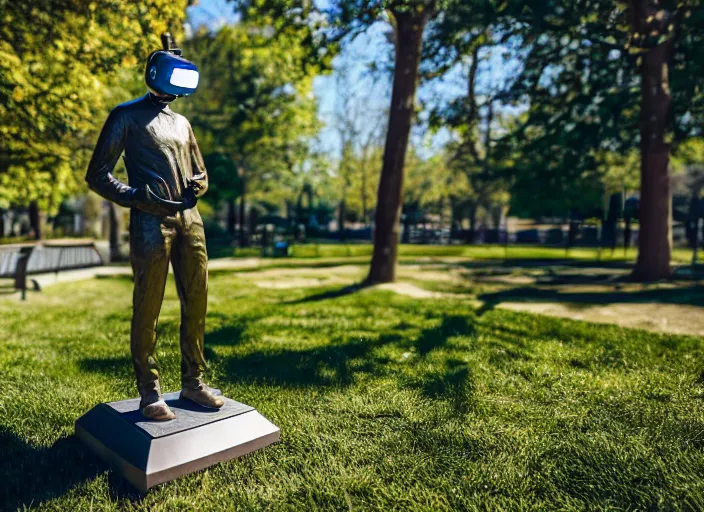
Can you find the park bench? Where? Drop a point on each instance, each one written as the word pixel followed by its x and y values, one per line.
pixel 18 261
pixel 528 236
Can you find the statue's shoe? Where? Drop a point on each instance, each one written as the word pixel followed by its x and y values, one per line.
pixel 203 397
pixel 158 411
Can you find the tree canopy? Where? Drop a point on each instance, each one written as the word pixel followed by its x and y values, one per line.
pixel 59 62
pixel 254 112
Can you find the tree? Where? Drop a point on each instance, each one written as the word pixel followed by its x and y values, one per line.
pixel 587 67
pixel 688 166
pixel 341 19
pixel 359 132
pixel 58 61
pixel 432 188
pixel 653 33
pixel 254 112
pixel 408 21
pixel 473 118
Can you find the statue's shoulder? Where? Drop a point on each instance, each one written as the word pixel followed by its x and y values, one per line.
pixel 130 107
pixel 181 120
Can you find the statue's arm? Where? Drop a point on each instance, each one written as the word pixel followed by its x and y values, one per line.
pixel 200 175
pixel 105 155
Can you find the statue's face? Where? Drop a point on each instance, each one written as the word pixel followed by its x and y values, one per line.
pixel 159 94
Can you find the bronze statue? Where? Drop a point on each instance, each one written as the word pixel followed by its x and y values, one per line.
pixel 166 176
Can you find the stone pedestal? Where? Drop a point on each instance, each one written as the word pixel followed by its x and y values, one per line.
pixel 148 453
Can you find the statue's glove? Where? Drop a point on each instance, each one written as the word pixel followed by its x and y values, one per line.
pixel 190 199
pixel 198 184
pixel 147 201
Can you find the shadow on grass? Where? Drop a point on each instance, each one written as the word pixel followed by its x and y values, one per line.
pixel 431 339
pixel 121 366
pixel 8 289
pixel 117 366
pixel 454 383
pixel 690 295
pixel 33 475
pixel 545 262
pixel 329 294
pixel 230 334
pixel 332 365
pixel 127 278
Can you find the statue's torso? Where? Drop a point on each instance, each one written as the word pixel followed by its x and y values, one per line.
pixel 157 147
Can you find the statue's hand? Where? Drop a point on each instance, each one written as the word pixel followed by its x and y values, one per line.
pixel 148 202
pixel 196 184
pixel 190 199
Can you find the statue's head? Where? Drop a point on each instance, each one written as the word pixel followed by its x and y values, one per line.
pixel 167 74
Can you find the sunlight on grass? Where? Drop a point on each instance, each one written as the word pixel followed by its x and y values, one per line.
pixel 384 402
pixel 363 251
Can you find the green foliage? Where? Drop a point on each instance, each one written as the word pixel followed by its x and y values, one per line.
pixel 59 62
pixel 254 111
pixel 581 80
pixel 430 185
pixel 619 171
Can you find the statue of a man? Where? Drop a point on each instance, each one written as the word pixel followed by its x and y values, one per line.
pixel 166 176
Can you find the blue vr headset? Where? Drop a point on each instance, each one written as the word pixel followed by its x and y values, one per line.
pixel 169 73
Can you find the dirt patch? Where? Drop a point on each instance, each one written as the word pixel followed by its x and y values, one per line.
pixel 303 277
pixel 656 317
pixel 424 274
pixel 294 272
pixel 289 283
pixel 411 290
pixel 234 263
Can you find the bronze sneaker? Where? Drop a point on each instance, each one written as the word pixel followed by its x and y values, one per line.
pixel 203 397
pixel 158 411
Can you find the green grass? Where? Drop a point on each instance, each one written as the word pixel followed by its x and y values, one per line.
pixel 384 402
pixel 485 252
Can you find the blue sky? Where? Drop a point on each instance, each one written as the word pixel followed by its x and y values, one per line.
pixel 373 90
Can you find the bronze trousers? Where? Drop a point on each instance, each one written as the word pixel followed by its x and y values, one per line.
pixel 154 242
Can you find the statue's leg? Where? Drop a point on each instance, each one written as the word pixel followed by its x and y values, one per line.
pixel 150 247
pixel 190 263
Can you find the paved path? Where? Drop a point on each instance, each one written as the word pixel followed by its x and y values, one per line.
pixel 53 278
pixel 653 315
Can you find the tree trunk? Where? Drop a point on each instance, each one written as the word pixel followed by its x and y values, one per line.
pixel 472 234
pixel 253 221
pixel 243 208
pixel 572 234
pixel 453 219
pixel 409 36
pixel 406 238
pixel 231 218
pixel 655 236
pixel 364 192
pixel 341 220
pixel 35 220
pixel 114 234
pixel 309 194
pixel 299 210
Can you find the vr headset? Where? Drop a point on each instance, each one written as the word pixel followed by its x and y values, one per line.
pixel 169 73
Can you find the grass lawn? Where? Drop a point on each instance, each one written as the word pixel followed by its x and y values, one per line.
pixel 363 251
pixel 384 402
